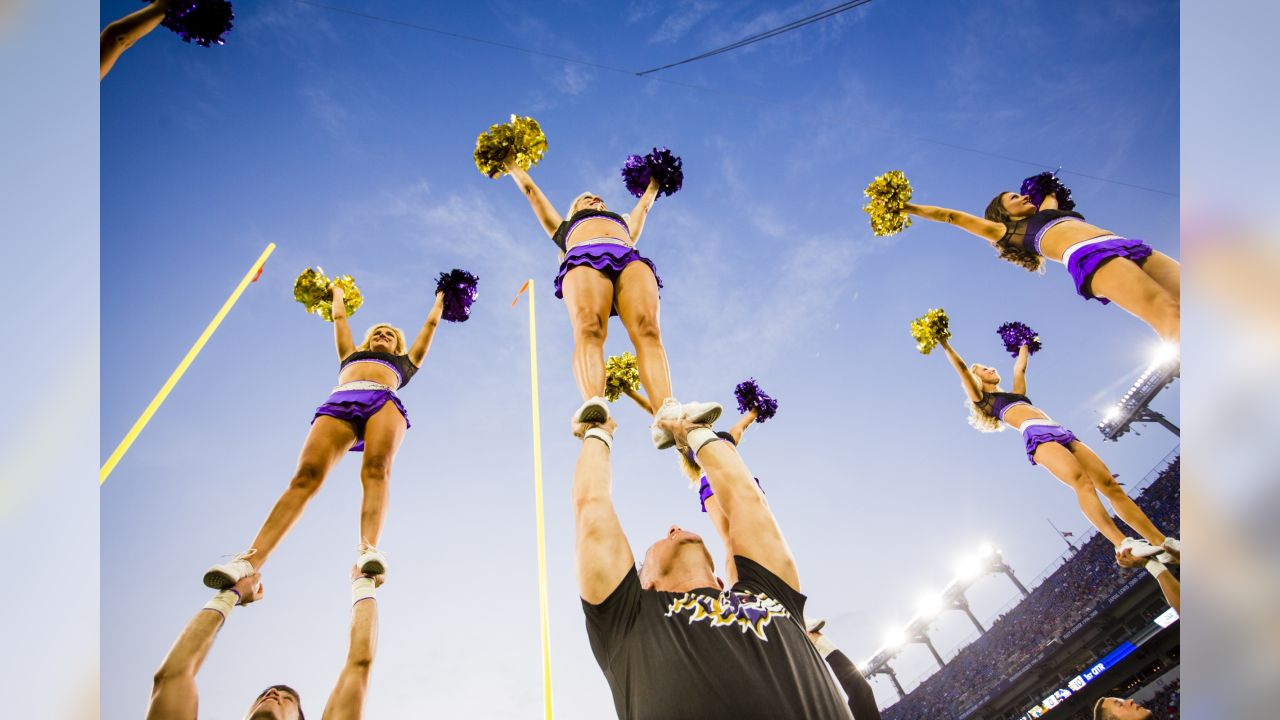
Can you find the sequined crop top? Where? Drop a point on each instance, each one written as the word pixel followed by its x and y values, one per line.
pixel 566 227
pixel 997 403
pixel 1028 231
pixel 401 364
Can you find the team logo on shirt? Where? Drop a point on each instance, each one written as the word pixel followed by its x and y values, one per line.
pixel 750 613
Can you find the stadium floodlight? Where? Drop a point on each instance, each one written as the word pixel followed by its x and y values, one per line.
pixel 1134 405
pixel 1166 353
pixel 968 569
pixel 929 607
pixel 986 550
pixel 895 638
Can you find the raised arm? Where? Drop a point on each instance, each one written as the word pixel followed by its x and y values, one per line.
pixel 1020 370
pixel 422 343
pixel 753 531
pixel 971 386
pixel 741 426
pixel 121 34
pixel 862 699
pixel 173 691
pixel 341 329
pixel 1169 585
pixel 982 227
pixel 603 554
pixel 346 702
pixel 641 211
pixel 542 207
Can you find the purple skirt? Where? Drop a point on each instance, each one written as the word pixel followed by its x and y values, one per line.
pixel 1085 262
pixel 1036 435
pixel 608 258
pixel 705 492
pixel 356 407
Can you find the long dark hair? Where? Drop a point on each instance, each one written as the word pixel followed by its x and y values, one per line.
pixel 1008 250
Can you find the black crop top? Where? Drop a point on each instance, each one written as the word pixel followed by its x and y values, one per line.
pixel 566 227
pixel 995 404
pixel 1026 231
pixel 401 364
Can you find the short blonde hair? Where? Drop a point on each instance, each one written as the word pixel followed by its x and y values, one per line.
pixel 400 343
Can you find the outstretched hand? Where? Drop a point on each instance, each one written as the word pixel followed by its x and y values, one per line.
pixel 249 588
pixel 338 295
pixel 679 428
pixel 580 428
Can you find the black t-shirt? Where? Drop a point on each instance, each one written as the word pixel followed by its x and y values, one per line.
pixel 740 653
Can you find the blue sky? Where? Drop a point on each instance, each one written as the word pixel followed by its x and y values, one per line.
pixel 348 143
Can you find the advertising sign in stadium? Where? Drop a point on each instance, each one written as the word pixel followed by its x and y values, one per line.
pixel 1057 697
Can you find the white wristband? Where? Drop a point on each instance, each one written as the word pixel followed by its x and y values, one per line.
pixel 599 434
pixel 362 589
pixel 224 602
pixel 699 437
pixel 824 645
pixel 1156 568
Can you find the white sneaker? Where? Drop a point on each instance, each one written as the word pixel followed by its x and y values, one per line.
pixel 1170 543
pixel 372 562
pixel 702 413
pixel 595 410
pixel 816 625
pixel 221 577
pixel 699 413
pixel 1141 548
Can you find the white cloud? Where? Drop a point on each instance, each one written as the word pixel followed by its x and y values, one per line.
pixel 681 21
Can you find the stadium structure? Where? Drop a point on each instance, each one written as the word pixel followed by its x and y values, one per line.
pixel 1088 629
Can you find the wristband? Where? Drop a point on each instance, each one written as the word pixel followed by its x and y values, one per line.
pixel 224 602
pixel 699 437
pixel 599 434
pixel 362 589
pixel 1156 568
pixel 824 645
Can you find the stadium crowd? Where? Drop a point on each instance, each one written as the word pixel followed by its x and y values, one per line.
pixel 1064 598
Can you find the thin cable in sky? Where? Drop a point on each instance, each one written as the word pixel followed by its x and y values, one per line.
pixel 710 89
pixel 750 39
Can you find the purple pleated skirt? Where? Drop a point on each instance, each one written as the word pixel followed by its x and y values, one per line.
pixel 1085 261
pixel 705 492
pixel 1036 435
pixel 608 258
pixel 356 406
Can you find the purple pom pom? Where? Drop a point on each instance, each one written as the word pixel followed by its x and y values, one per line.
pixel 751 397
pixel 1039 187
pixel 659 164
pixel 636 174
pixel 203 22
pixel 1015 335
pixel 459 288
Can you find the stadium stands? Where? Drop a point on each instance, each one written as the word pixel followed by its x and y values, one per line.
pixel 1054 606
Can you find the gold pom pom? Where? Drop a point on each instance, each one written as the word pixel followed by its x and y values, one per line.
pixel 621 374
pixel 522 140
pixel 315 291
pixel 930 329
pixel 889 194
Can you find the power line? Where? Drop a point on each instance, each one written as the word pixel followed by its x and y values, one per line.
pixel 750 39
pixel 728 93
